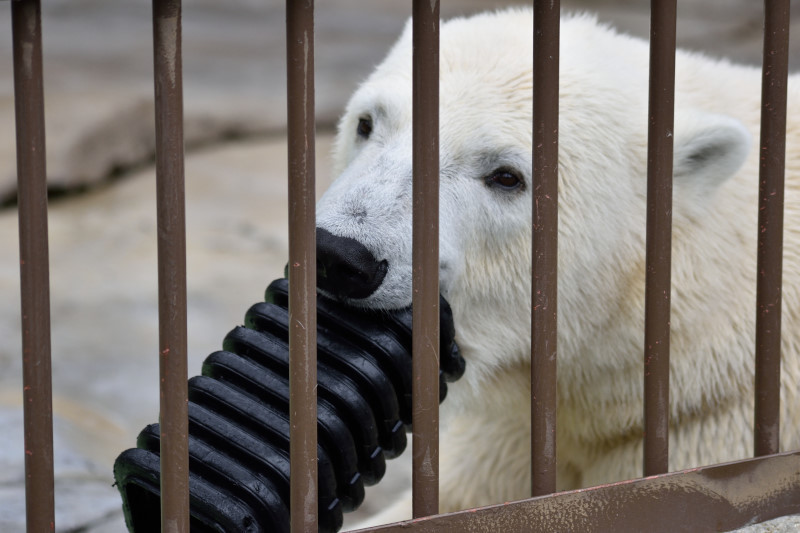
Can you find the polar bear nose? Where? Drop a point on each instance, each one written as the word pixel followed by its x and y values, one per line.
pixel 345 268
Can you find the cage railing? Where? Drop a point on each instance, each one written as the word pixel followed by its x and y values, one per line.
pixel 720 496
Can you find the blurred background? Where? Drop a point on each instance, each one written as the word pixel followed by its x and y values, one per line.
pixel 100 149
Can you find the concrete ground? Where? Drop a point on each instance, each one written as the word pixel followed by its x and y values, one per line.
pixel 98 87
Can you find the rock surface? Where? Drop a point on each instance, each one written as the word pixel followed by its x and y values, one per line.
pixel 98 90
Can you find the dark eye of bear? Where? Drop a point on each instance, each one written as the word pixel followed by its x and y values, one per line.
pixel 504 179
pixel 364 127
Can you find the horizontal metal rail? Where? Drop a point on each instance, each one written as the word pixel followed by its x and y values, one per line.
pixel 712 498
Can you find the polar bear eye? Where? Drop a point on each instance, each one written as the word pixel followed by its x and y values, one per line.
pixel 364 127
pixel 504 179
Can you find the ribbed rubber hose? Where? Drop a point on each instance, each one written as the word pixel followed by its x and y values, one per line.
pixel 239 418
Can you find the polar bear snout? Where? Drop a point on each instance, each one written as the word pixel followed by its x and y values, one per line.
pixel 346 269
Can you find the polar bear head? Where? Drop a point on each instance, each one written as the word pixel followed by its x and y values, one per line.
pixel 364 219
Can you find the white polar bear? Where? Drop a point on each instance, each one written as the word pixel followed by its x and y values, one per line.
pixel 486 121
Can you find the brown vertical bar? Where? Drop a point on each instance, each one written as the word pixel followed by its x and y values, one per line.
pixel 770 224
pixel 34 265
pixel 170 205
pixel 425 279
pixel 659 236
pixel 302 265
pixel 544 283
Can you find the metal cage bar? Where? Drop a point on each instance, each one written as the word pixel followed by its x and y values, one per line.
pixel 544 282
pixel 34 265
pixel 770 227
pixel 659 236
pixel 171 222
pixel 425 260
pixel 302 265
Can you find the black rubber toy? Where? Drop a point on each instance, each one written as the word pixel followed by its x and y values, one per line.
pixel 239 418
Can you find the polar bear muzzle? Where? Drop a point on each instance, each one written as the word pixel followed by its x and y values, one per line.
pixel 346 269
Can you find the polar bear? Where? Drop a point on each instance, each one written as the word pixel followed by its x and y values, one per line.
pixel 485 250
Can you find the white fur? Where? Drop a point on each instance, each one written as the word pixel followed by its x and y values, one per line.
pixel 485 114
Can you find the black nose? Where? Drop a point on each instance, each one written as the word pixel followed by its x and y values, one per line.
pixel 345 268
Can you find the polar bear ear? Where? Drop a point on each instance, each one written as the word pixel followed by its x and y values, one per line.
pixel 709 148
